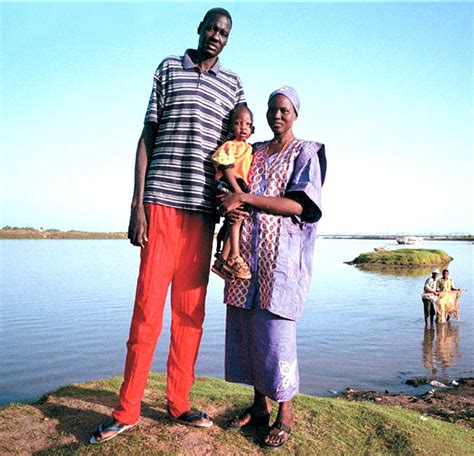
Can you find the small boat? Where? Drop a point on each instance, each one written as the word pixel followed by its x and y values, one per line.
pixel 381 249
pixel 410 240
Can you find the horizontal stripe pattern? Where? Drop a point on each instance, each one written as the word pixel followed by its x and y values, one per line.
pixel 192 112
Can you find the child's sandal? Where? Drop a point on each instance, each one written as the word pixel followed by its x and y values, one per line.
pixel 219 268
pixel 238 267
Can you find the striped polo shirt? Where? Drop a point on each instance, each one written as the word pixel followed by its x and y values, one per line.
pixel 192 112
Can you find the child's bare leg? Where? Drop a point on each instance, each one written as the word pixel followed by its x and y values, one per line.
pixel 226 248
pixel 235 239
pixel 235 264
pixel 218 266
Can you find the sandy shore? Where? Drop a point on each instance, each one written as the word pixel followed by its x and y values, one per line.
pixel 454 403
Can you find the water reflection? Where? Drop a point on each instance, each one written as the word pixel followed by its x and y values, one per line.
pixel 440 347
pixel 398 270
pixel 54 309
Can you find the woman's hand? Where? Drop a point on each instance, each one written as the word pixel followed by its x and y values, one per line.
pixel 236 216
pixel 230 202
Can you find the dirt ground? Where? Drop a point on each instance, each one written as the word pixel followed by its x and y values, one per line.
pixel 454 403
pixel 63 422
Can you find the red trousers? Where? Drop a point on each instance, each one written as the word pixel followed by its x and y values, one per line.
pixel 178 252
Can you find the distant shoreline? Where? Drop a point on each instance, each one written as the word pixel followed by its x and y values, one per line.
pixel 393 237
pixel 41 234
pixel 34 234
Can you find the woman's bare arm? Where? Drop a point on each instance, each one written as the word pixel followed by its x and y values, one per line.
pixel 273 205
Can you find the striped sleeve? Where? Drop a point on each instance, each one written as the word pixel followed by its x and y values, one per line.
pixel 239 94
pixel 156 102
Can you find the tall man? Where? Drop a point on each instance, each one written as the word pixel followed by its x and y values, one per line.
pixel 171 218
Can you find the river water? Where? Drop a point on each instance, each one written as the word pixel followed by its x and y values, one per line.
pixel 66 307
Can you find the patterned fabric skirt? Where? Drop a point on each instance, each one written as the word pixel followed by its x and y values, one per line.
pixel 260 350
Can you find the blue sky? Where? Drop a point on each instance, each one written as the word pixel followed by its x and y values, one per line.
pixel 388 87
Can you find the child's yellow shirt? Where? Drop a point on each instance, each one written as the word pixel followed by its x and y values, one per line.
pixel 235 154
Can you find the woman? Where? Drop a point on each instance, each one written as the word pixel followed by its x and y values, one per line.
pixel 277 241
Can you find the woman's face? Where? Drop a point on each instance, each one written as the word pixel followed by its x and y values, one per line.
pixel 280 115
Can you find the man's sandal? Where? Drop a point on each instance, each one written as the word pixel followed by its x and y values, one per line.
pixel 282 431
pixel 195 418
pixel 254 420
pixel 109 427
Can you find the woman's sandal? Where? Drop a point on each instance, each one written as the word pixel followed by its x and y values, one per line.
pixel 195 418
pixel 238 267
pixel 253 420
pixel 282 430
pixel 118 429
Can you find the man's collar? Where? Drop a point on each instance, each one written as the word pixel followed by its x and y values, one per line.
pixel 188 63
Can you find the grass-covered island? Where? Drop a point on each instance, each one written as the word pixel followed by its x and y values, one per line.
pixel 402 258
pixel 62 421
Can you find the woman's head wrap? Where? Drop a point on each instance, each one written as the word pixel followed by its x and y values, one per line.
pixel 289 93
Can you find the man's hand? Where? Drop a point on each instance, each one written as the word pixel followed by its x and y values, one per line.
pixel 138 226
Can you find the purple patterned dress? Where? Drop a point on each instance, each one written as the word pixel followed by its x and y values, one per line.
pixel 262 311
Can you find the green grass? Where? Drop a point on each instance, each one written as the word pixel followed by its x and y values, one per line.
pixel 404 258
pixel 63 420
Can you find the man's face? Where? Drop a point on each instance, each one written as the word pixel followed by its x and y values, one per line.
pixel 213 35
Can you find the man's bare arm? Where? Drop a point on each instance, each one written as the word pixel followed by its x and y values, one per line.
pixel 138 226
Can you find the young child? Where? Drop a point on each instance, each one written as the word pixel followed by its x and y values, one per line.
pixel 232 161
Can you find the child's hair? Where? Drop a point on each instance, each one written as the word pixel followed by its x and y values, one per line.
pixel 234 111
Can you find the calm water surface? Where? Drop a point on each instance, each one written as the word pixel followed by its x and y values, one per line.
pixel 66 307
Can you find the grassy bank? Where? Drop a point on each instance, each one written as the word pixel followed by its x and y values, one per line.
pixel 62 422
pixel 403 258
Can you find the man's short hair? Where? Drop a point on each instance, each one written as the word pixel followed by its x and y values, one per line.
pixel 217 12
